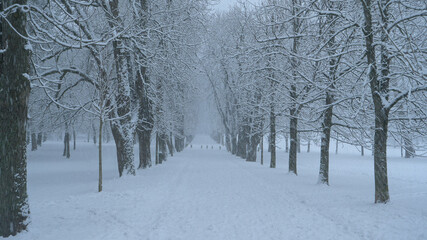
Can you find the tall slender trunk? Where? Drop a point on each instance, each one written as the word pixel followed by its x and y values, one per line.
pixel 14 64
pixel 379 88
pixel 34 142
pixel 233 144
pixel 409 147
pixel 39 139
pixel 293 142
pixel 325 141
pixel 94 133
pixel 228 141
pixel 157 148
pixel 287 142
pixel 262 150
pixel 336 145
pixel 272 142
pixel 170 144
pixel 100 155
pixel 74 139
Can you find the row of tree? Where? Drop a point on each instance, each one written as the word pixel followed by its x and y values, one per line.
pixel 354 70
pixel 89 63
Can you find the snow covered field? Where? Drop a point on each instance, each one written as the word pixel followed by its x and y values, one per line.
pixel 210 194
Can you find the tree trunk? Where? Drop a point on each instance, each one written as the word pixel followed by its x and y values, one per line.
pixel 124 149
pixel 162 148
pixel 233 144
pixel 287 143
pixel 66 145
pixel 94 133
pixel 39 139
pixel 378 89
pixel 157 148
pixel 144 148
pixel 14 63
pixel 409 148
pixel 336 145
pixel 252 147
pixel 293 142
pixel 262 150
pixel 74 139
pixel 33 142
pixel 380 157
pixel 100 155
pixel 308 145
pixel 272 142
pixel 325 141
pixel 228 142
pixel 170 145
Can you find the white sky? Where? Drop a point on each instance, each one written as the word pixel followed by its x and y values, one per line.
pixel 226 4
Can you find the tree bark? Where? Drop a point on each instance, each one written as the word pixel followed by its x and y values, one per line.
pixel 144 149
pixel 74 139
pixel 272 142
pixel 293 142
pixel 378 88
pixel 14 63
pixel 262 150
pixel 325 141
pixel 33 142
pixel 100 156
pixel 39 139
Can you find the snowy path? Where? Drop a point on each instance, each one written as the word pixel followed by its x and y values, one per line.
pixel 210 194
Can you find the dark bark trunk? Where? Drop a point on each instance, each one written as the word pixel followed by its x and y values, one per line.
pixel 122 127
pixel 14 63
pixel 262 150
pixel 228 142
pixel 308 145
pixel 325 141
pixel 170 144
pixel 243 140
pixel 66 145
pixel 336 145
pixel 74 139
pixel 287 143
pixel 252 147
pixel 293 130
pixel 272 143
pixel 124 151
pixel 33 142
pixel 99 155
pixel 378 87
pixel 39 139
pixel 94 133
pixel 157 149
pixel 162 148
pixel 144 149
pixel 409 148
pixel 233 144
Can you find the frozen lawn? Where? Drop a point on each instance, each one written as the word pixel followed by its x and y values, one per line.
pixel 210 194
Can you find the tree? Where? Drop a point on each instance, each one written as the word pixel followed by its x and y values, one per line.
pixel 14 94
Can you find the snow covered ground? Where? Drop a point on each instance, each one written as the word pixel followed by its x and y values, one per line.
pixel 210 194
